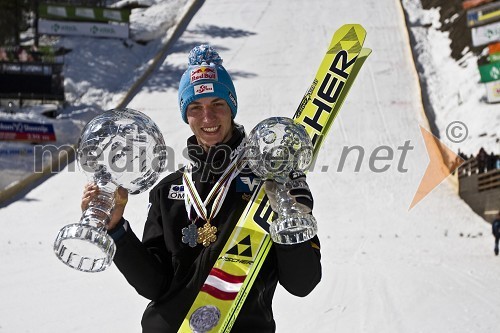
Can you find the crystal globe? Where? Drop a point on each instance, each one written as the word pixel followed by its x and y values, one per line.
pixel 276 146
pixel 123 146
pixel 120 147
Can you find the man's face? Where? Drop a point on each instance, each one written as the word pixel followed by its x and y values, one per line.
pixel 210 121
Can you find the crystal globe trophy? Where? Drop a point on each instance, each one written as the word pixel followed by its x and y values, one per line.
pixel 275 147
pixel 120 147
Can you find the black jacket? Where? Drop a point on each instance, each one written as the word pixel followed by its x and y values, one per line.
pixel 495 228
pixel 170 273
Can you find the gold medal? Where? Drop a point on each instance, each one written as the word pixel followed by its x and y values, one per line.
pixel 206 234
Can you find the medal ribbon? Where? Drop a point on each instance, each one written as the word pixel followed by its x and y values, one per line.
pixel 217 194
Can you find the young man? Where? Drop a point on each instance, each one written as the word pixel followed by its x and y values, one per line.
pixel 168 266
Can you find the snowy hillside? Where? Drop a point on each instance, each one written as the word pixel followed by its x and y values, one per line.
pixel 453 87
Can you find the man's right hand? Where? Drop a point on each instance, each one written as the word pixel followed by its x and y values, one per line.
pixel 91 190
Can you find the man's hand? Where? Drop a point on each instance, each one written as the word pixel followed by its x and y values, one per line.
pixel 298 192
pixel 91 190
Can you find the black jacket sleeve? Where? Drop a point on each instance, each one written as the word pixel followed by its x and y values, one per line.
pixel 146 265
pixel 299 266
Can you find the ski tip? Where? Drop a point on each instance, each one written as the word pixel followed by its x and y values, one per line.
pixel 358 28
pixel 350 37
pixel 365 52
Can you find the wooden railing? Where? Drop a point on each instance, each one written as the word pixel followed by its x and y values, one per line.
pixel 468 168
pixel 480 190
pixel 489 180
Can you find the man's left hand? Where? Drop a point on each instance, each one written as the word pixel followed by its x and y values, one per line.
pixel 298 191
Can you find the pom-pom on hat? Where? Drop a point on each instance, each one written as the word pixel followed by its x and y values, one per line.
pixel 205 77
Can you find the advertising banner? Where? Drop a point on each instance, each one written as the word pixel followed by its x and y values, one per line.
pixel 79 13
pixel 26 68
pixel 494 57
pixel 69 28
pixel 467 4
pixel 484 14
pixel 16 152
pixel 24 131
pixel 486 34
pixel 494 48
pixel 490 72
pixel 493 91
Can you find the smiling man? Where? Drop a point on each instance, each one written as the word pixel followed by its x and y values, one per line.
pixel 210 120
pixel 182 239
pixel 207 97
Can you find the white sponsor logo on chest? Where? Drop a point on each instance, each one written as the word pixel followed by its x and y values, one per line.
pixel 250 182
pixel 176 192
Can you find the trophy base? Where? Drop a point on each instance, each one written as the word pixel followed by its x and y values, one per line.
pixel 84 247
pixel 293 229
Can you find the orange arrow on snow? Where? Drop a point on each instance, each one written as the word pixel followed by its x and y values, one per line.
pixel 443 161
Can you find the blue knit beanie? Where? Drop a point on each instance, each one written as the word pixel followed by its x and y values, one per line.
pixel 205 77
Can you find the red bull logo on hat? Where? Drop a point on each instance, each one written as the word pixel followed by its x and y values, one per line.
pixel 203 73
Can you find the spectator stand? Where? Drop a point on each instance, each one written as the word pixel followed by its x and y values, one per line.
pixel 479 184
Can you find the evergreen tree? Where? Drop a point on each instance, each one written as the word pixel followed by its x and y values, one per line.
pixel 14 18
